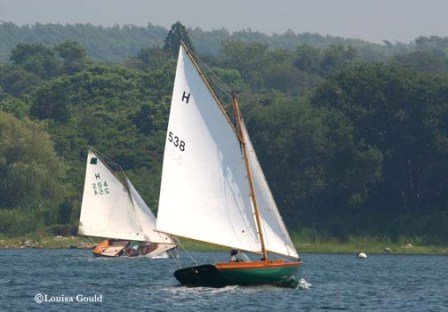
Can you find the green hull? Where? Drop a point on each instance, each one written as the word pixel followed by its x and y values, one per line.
pixel 211 276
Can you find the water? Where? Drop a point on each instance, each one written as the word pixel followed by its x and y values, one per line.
pixel 339 282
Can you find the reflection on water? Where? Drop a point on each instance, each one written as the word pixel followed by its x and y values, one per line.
pixel 339 282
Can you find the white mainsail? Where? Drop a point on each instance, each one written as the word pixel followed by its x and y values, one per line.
pixel 205 193
pixel 113 210
pixel 106 210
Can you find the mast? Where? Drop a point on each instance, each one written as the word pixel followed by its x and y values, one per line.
pixel 237 113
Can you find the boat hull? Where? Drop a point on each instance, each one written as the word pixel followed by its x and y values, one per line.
pixel 276 273
pixel 116 248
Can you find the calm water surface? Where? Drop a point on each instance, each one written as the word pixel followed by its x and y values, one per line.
pixel 339 282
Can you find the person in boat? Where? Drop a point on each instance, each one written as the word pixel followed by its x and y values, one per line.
pixel 131 252
pixel 237 256
pixel 148 247
pixel 131 249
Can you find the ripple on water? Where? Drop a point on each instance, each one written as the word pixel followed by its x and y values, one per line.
pixel 339 282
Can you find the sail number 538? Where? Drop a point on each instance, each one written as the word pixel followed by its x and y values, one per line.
pixel 176 141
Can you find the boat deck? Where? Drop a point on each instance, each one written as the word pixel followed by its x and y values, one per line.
pixel 255 264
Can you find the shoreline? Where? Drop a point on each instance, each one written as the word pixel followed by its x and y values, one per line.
pixel 47 242
pixel 313 247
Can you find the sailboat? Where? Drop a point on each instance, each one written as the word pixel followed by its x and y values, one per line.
pixel 112 208
pixel 213 189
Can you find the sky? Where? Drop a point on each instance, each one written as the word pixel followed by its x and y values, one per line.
pixel 372 20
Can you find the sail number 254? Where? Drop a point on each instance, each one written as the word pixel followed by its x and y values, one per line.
pixel 176 141
pixel 100 188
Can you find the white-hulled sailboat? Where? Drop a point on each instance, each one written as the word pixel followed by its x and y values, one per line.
pixel 213 189
pixel 112 208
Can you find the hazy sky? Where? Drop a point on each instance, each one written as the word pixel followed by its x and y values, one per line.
pixel 373 20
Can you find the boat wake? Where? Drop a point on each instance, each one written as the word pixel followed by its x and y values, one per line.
pixel 199 292
pixel 304 284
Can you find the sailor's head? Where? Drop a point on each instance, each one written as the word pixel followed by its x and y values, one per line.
pixel 233 252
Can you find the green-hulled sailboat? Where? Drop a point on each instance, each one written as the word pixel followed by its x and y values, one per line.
pixel 213 189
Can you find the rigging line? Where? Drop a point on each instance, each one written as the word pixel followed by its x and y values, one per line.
pixel 188 254
pixel 216 81
pixel 219 82
pixel 87 240
pixel 113 166
pixel 175 257
pixel 212 93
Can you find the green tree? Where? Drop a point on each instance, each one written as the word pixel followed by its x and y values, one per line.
pixel 13 105
pixel 336 57
pixel 280 73
pixel 248 58
pixel 307 59
pixel 150 59
pixel 36 58
pixel 177 34
pixel 398 117
pixel 423 61
pixel 31 175
pixel 73 56
pixel 18 82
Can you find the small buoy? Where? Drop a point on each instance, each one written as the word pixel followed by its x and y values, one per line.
pixel 362 255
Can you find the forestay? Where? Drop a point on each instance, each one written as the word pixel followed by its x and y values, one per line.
pixel 204 190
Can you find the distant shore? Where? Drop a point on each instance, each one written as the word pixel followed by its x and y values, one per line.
pixel 372 248
pixel 350 247
pixel 353 246
pixel 48 242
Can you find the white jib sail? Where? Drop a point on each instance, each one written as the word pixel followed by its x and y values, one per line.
pixel 204 190
pixel 276 235
pixel 147 219
pixel 107 209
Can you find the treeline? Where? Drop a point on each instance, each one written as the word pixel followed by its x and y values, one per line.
pixel 351 145
pixel 118 43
